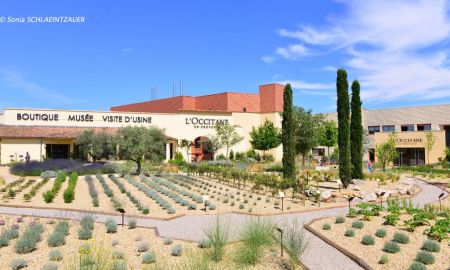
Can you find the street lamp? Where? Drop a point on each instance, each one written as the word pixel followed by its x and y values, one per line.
pixel 440 198
pixel 122 211
pixel 282 195
pixel 281 240
pixel 205 199
pixel 381 197
pixel 350 199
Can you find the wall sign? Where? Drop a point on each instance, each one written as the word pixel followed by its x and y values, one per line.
pixel 205 123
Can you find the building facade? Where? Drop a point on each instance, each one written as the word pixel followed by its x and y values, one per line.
pixel 46 133
pixel 410 125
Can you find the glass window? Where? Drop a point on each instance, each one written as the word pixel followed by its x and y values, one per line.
pixel 389 128
pixel 373 129
pixel 422 127
pixel 408 128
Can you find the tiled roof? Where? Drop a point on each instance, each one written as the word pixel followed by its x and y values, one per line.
pixel 45 132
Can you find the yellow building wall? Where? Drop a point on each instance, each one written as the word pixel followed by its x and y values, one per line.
pixel 416 139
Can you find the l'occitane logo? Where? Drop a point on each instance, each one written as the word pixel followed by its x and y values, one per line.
pixel 204 122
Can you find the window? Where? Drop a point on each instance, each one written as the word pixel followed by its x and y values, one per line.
pixel 373 129
pixel 408 128
pixel 244 109
pixel 423 127
pixel 389 128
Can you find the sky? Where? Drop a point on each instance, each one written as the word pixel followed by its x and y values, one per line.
pixel 397 50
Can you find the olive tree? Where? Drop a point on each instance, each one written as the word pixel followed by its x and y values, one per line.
pixel 94 144
pixel 265 137
pixel 141 143
pixel 226 136
pixel 386 152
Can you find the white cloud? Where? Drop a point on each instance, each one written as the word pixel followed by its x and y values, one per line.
pixel 12 79
pixel 126 50
pixel 296 84
pixel 397 49
pixel 268 59
pixel 293 52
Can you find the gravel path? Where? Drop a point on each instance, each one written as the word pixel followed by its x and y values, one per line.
pixel 319 255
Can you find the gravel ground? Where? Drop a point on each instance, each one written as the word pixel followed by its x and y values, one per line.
pixel 319 255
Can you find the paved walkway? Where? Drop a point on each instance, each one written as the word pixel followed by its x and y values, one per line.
pixel 319 255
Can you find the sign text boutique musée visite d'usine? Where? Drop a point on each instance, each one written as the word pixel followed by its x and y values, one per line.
pixel 55 117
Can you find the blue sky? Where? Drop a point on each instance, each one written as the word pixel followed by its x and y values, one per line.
pixel 397 49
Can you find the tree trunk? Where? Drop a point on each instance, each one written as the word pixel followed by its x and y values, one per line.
pixel 139 166
pixel 303 161
pixel 264 155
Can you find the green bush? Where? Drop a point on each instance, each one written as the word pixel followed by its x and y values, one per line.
pixel 340 220
pixel 63 227
pixel 368 240
pixel 18 264
pixel 84 233
pixel 119 265
pixel 50 266
pixel 391 219
pixel 30 237
pixel 117 255
pixel 401 238
pixel 417 266
pixel 425 257
pixel 168 241
pixel 48 196
pixel 255 236
pixel 430 245
pixel 217 236
pixel 142 246
pixel 391 247
pixel 55 255
pixel 132 223
pixel 349 233
pixel 111 226
pixel 177 250
pixel 241 206
pixel 381 233
pixel 326 227
pixel 56 239
pixel 384 259
pixel 204 243
pixel 148 257
pixel 358 224
pixel 87 222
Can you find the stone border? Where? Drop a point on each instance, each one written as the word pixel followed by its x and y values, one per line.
pixel 344 251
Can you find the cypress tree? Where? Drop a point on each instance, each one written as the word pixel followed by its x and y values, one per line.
pixel 287 134
pixel 343 111
pixel 356 132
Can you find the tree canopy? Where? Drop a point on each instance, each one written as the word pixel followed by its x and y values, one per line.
pixel 94 144
pixel 226 136
pixel 386 152
pixel 343 112
pixel 288 134
pixel 356 132
pixel 265 137
pixel 329 135
pixel 141 143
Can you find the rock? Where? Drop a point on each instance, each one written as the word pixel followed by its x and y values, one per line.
pixel 356 188
pixel 386 195
pixel 393 193
pixel 402 191
pixel 325 195
pixel 371 197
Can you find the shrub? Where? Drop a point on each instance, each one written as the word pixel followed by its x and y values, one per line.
pixel 358 224
pixel 50 266
pixel 142 246
pixel 148 257
pixel 63 227
pixel 171 211
pixel 241 206
pixel 401 238
pixel 177 250
pixel 295 239
pixel 384 259
pixel 84 233
pixel 326 227
pixel 92 190
pixel 69 193
pixel 4 241
pixel 217 236
pixel 132 223
pixel 212 207
pixel 349 233
pixel 204 243
pixel 340 219
pixel 30 237
pixel 430 245
pixel 381 233
pixel 117 255
pixel 255 236
pixel 55 239
pixel 119 265
pixel 368 240
pixel 114 242
pixel 55 255
pixel 425 257
pixel 111 226
pixel 391 247
pixel 168 241
pixel 48 196
pixel 18 264
pixel 391 219
pixel 87 222
pixel 417 266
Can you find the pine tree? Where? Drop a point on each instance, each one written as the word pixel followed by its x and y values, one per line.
pixel 343 111
pixel 287 134
pixel 356 132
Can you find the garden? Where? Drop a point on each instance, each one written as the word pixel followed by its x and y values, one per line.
pixel 51 244
pixel 399 236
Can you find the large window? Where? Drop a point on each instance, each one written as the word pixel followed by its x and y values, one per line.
pixel 57 150
pixel 410 157
pixel 389 128
pixel 423 127
pixel 373 129
pixel 407 128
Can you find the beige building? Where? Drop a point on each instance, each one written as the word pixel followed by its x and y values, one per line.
pixel 47 133
pixel 410 124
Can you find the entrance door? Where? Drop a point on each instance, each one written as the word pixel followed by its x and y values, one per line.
pixel 410 157
pixel 58 150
